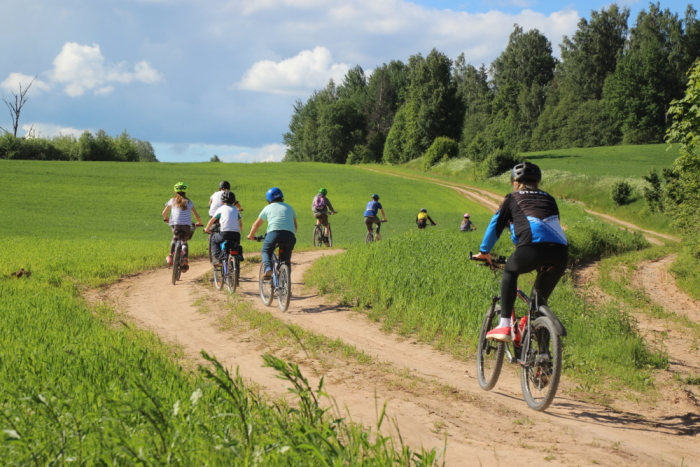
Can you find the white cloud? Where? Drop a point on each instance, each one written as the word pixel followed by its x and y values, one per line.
pixel 14 80
pixel 49 130
pixel 267 153
pixel 308 70
pixel 82 68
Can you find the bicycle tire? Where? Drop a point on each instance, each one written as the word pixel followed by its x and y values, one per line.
pixel 489 354
pixel 540 380
pixel 237 262
pixel 369 238
pixel 330 236
pixel 218 277
pixel 267 291
pixel 176 262
pixel 231 274
pixel 284 293
pixel 318 235
pixel 211 258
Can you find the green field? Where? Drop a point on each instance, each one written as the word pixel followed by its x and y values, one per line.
pixel 583 174
pixel 77 384
pixel 619 161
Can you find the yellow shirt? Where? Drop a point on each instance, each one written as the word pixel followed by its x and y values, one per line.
pixel 422 216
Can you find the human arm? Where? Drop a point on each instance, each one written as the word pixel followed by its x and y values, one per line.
pixel 199 219
pixel 238 206
pixel 296 226
pixel 496 226
pixel 240 224
pixel 211 222
pixel 254 228
pixel 165 212
pixel 330 206
pixel 431 220
pixel 383 215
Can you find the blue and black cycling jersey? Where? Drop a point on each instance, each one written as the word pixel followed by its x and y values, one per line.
pixel 532 216
pixel 372 208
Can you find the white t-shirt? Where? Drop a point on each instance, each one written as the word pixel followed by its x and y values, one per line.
pixel 215 203
pixel 179 216
pixel 228 218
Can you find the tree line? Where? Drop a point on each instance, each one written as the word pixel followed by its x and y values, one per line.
pixel 614 84
pixel 88 147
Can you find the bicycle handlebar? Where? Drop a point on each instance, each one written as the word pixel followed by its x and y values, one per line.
pixel 259 238
pixel 498 260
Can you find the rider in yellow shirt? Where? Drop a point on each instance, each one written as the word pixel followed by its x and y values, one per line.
pixel 423 218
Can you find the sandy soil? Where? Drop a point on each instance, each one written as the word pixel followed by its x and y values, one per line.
pixel 481 428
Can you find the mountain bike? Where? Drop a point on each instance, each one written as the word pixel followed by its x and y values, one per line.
pixel 536 345
pixel 180 252
pixel 371 236
pixel 318 238
pixel 280 283
pixel 229 271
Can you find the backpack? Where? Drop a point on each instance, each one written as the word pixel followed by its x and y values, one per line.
pixel 319 202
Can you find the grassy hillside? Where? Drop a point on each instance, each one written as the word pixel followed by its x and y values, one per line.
pixel 621 161
pixel 423 283
pixel 583 174
pixel 76 383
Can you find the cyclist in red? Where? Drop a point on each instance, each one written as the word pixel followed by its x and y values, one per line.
pixel 532 217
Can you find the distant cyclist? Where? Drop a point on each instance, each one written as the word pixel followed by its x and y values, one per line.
pixel 230 226
pixel 281 228
pixel 215 199
pixel 533 219
pixel 423 218
pixel 180 219
pixel 371 210
pixel 467 224
pixel 320 206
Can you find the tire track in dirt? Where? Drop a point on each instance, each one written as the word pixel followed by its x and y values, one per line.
pixel 483 428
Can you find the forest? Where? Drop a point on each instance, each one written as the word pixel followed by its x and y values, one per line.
pixel 614 84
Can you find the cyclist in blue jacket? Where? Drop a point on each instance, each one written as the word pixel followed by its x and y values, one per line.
pixel 533 219
pixel 371 210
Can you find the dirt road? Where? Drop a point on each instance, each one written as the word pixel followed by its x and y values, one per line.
pixel 481 428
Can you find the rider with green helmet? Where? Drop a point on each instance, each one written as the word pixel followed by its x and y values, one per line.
pixel 180 220
pixel 321 206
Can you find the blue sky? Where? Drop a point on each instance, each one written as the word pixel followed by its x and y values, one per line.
pixel 220 77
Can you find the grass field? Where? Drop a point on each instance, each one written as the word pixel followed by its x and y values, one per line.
pixel 423 283
pixel 78 386
pixel 583 174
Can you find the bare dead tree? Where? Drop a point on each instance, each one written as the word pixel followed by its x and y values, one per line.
pixel 16 106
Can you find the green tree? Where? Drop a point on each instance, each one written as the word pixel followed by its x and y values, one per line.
pixel 651 73
pixel 442 149
pixel 476 95
pixel 145 151
pixel 683 183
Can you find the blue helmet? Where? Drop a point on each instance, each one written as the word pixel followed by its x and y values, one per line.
pixel 274 194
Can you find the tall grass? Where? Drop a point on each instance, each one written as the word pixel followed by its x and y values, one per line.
pixel 422 283
pixel 78 386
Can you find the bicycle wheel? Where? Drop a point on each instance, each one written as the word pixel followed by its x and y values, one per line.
pixel 218 277
pixel 237 262
pixel 369 238
pixel 176 261
pixel 489 354
pixel 231 274
pixel 284 292
pixel 542 368
pixel 330 236
pixel 318 235
pixel 267 291
pixel 211 258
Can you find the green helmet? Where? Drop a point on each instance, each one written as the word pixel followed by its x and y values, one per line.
pixel 323 191
pixel 180 186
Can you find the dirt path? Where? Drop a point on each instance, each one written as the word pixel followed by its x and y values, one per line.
pixel 492 201
pixel 482 428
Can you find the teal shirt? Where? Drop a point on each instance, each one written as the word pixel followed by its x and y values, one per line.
pixel 279 216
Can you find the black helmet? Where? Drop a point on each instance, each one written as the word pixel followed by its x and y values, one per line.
pixel 526 172
pixel 224 185
pixel 423 210
pixel 228 197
